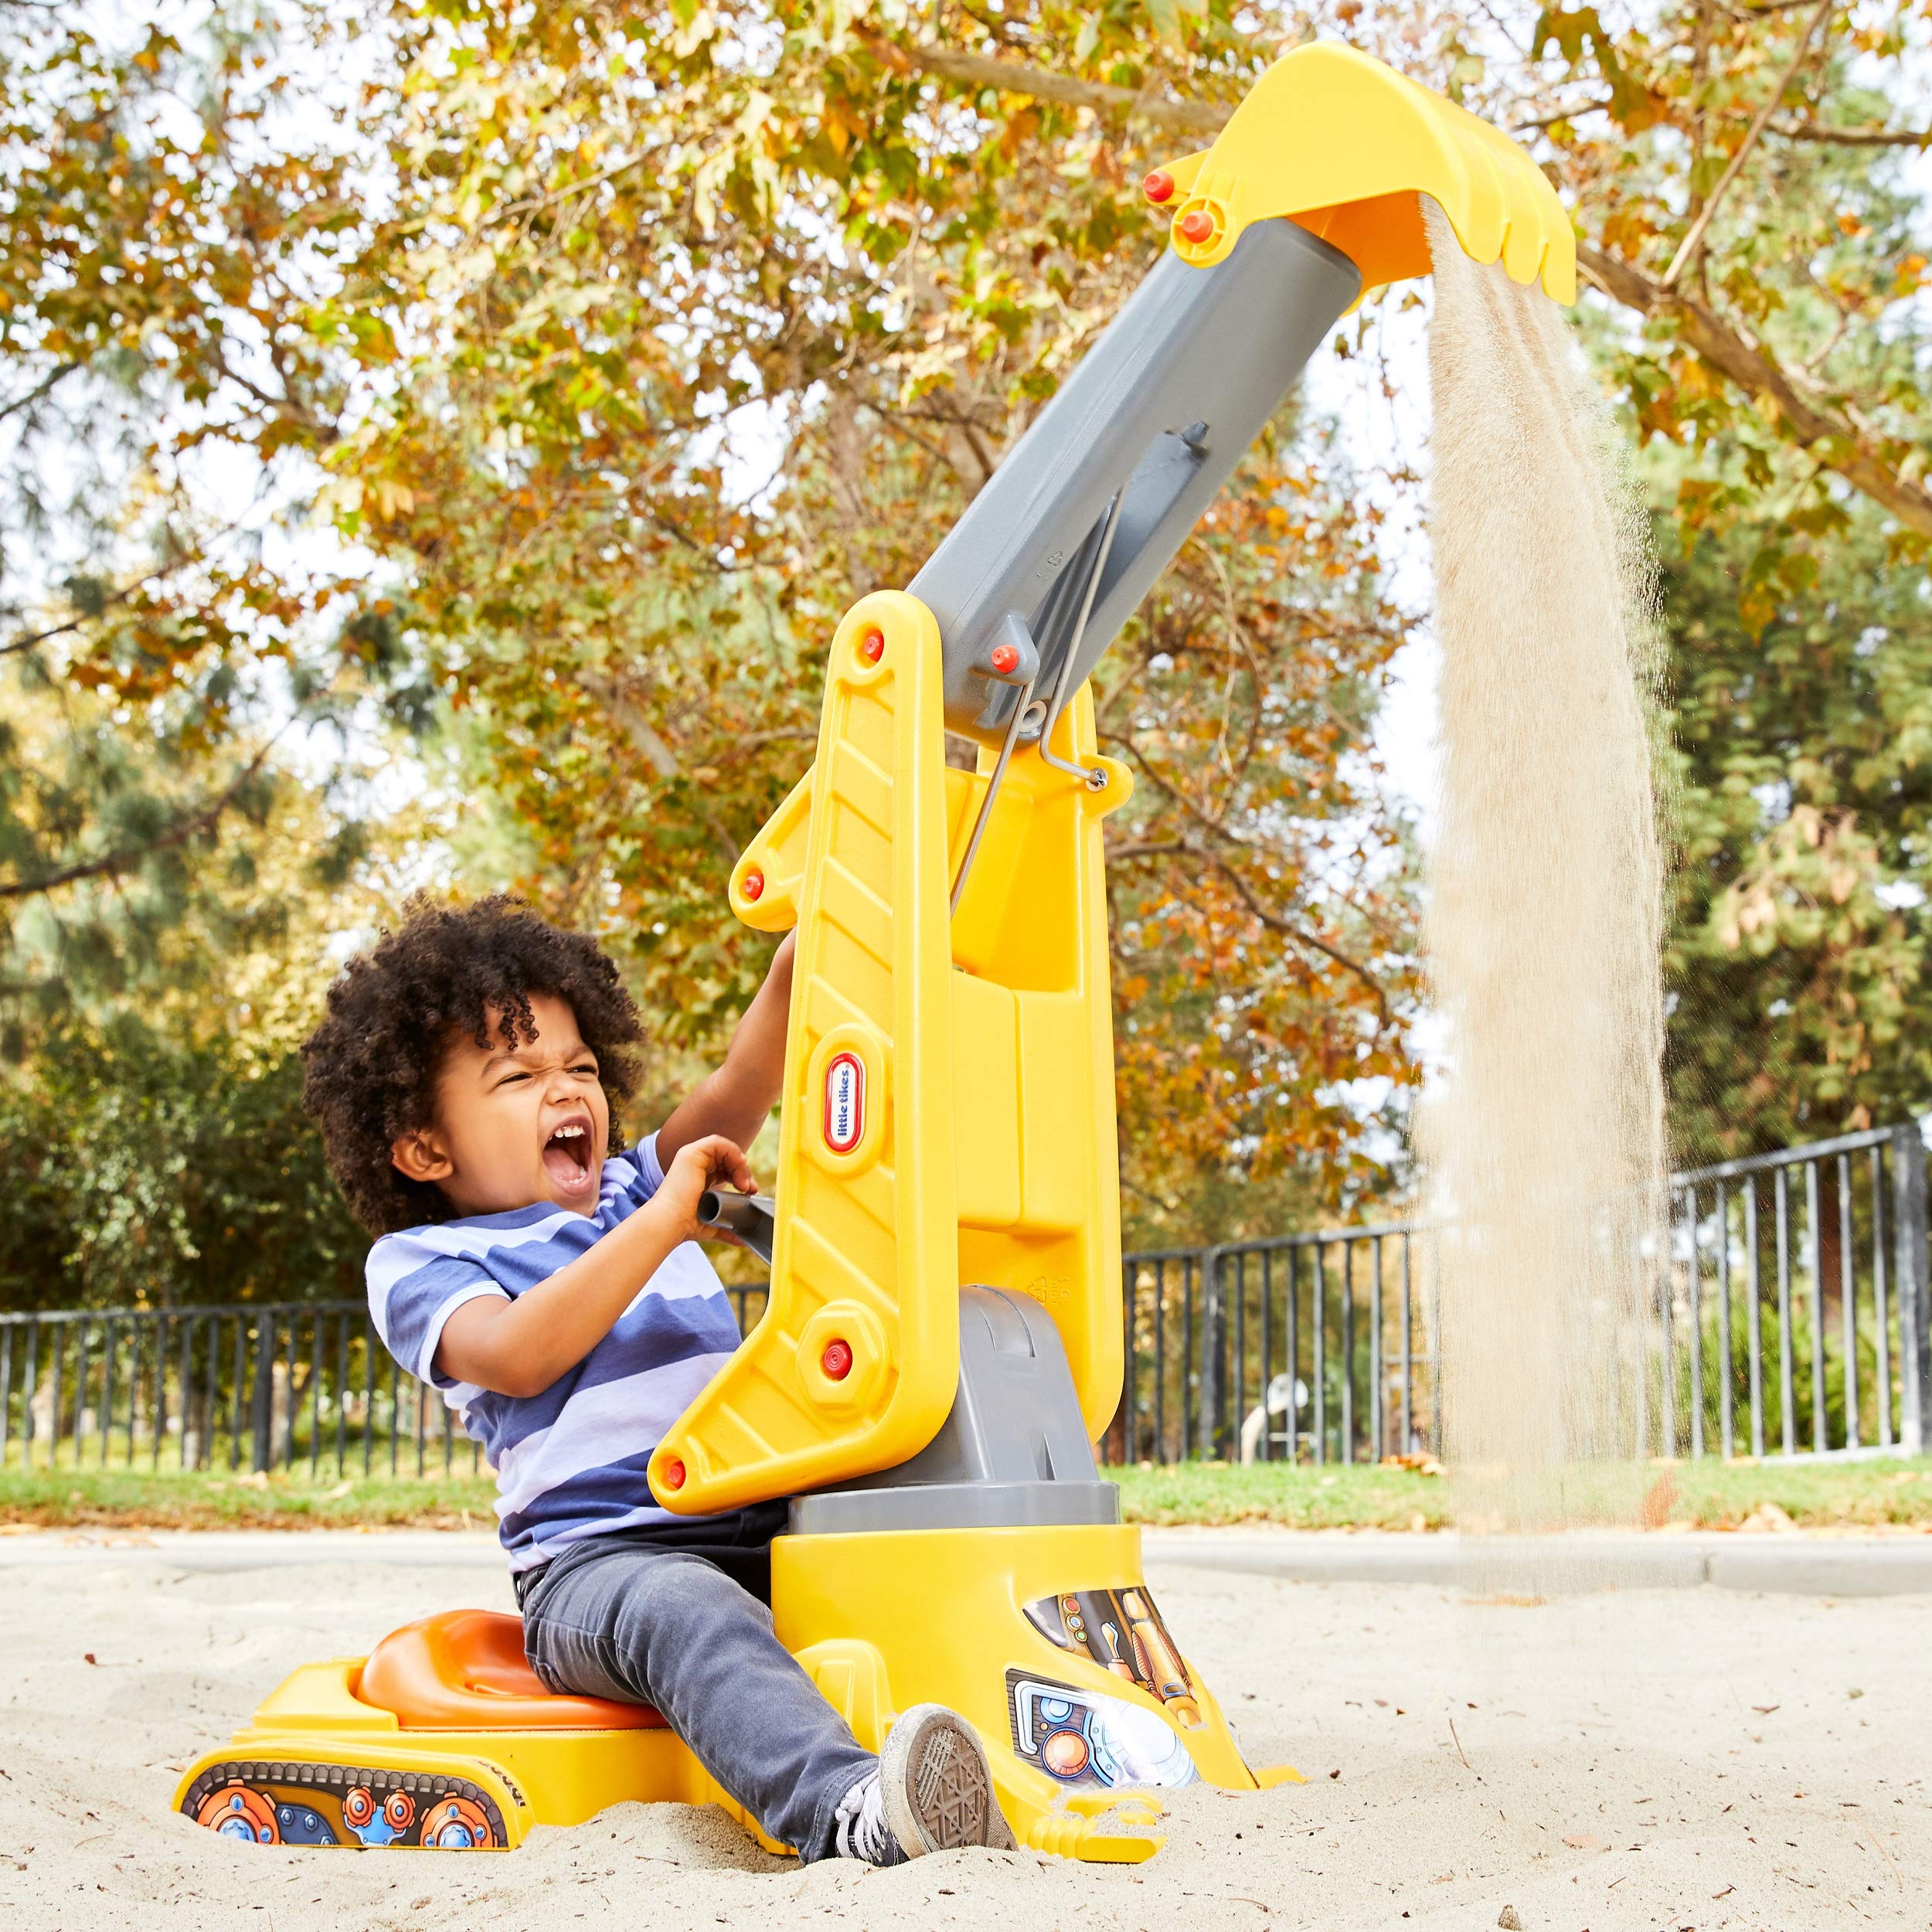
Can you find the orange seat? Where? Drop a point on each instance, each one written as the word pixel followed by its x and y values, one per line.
pixel 464 1671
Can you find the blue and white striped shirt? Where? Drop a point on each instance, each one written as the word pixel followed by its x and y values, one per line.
pixel 570 1462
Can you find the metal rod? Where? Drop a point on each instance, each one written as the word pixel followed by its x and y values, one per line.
pixel 1814 1273
pixel 1754 1335
pixel 241 1364
pixel 1881 1323
pixel 1848 1302
pixel 1292 1340
pixel 1726 1395
pixel 1696 1326
pixel 1239 1411
pixel 161 1388
pixel 341 1393
pixel 57 1351
pixel 1058 703
pixel 995 780
pixel 1787 1380
pixel 1267 1354
pixel 108 1329
pixel 1377 1419
pixel 1408 1358
pixel 29 1391
pixel 314 1393
pixel 1189 1373
pixel 1318 1343
pixel 1160 1361
pixel 1348 1351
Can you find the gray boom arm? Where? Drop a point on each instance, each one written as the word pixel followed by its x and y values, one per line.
pixel 1158 413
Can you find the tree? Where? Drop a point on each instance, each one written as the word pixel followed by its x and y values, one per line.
pixel 681 213
pixel 158 265
pixel 1798 959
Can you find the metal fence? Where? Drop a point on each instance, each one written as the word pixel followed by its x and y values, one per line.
pixel 1319 1347
pixel 280 1386
pixel 1788 1315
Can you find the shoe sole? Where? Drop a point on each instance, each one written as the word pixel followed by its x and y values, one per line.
pixel 938 1789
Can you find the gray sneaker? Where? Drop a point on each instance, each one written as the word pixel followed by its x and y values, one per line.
pixel 932 1792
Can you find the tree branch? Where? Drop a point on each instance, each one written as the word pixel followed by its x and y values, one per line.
pixel 1041 83
pixel 1687 248
pixel 1273 922
pixel 1852 137
pixel 123 857
pixel 45 386
pixel 1843 450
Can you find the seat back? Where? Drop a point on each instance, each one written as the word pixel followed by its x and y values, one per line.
pixel 464 1670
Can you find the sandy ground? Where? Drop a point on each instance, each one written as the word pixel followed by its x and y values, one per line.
pixel 1653 1759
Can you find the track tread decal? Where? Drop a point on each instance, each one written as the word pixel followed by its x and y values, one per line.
pixel 290 1781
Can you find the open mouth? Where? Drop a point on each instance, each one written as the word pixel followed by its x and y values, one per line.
pixel 567 1154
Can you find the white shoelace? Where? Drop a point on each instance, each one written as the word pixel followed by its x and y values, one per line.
pixel 862 1831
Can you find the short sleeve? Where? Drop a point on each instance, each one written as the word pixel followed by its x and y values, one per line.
pixel 635 1171
pixel 416 1283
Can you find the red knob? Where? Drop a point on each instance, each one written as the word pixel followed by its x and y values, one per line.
pixel 1159 186
pixel 1004 657
pixel 837 1360
pixel 753 883
pixel 872 645
pixel 1196 226
pixel 674 1473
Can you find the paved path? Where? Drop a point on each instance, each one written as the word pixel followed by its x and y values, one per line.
pixel 1788 1565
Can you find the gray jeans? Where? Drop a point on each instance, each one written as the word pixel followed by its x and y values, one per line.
pixel 668 1627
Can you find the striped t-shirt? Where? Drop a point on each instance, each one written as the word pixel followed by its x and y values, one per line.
pixel 570 1462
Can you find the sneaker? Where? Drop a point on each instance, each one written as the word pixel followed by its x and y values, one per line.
pixel 932 1792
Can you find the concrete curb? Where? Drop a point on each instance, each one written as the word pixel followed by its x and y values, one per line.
pixel 1796 1566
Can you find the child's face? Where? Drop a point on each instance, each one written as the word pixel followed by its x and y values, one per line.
pixel 515 1125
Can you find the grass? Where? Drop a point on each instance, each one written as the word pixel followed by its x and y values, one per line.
pixel 133 1499
pixel 1707 1495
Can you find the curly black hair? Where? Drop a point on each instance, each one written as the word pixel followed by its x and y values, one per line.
pixel 446 972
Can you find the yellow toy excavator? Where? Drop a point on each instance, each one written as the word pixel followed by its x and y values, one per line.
pixel 942 1343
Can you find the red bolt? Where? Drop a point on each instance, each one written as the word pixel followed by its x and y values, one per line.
pixel 674 1474
pixel 1196 226
pixel 1159 186
pixel 837 1360
pixel 1004 657
pixel 872 645
pixel 753 883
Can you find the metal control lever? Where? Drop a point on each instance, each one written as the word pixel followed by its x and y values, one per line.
pixel 751 1217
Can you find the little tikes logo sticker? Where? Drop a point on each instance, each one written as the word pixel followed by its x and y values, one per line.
pixel 845 1102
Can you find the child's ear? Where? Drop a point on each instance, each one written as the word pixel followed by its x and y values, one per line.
pixel 418 1155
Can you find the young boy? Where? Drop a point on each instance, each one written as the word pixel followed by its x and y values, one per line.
pixel 548 1283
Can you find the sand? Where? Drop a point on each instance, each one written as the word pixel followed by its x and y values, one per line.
pixel 1674 1758
pixel 1543 1149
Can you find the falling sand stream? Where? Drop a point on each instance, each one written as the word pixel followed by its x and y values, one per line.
pixel 1543 1148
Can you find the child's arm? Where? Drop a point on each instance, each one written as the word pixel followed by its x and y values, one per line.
pixel 735 1100
pixel 519 1347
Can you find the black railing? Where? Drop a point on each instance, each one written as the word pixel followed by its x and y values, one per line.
pixel 1319 1347
pixel 279 1386
pixel 1788 1316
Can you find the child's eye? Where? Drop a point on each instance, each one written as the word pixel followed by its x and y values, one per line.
pixel 510 1079
pixel 587 1066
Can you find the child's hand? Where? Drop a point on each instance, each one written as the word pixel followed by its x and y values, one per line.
pixel 713 1161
